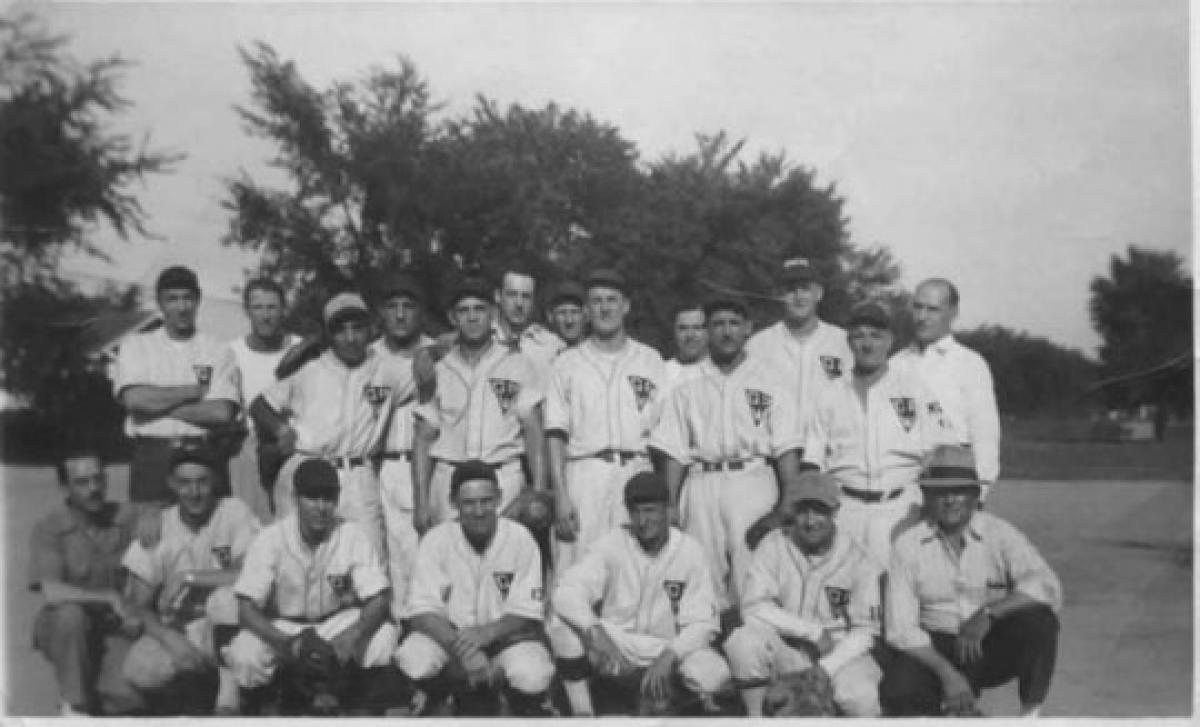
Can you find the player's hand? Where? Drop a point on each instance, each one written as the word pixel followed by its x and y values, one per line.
pixel 422 519
pixel 970 637
pixel 149 527
pixel 479 670
pixel 184 656
pixel 346 645
pixel 471 638
pixel 656 682
pixel 958 698
pixel 285 439
pixel 605 656
pixel 566 518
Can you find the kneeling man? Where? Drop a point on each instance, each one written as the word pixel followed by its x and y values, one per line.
pixel 971 603
pixel 475 603
pixel 811 601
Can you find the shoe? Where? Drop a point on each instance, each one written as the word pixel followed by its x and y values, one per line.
pixel 67 710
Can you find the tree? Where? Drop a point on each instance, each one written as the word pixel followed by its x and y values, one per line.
pixel 1032 375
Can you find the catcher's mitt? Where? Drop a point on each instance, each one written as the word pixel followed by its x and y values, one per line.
pixel 807 693
pixel 316 673
pixel 533 509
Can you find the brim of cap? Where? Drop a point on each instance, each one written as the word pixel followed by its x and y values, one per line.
pixel 348 312
pixel 330 490
pixel 828 500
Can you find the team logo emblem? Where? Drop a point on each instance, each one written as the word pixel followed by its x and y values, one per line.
pixel 376 395
pixel 760 403
pixel 839 602
pixel 340 583
pixel 224 556
pixel 832 366
pixel 934 408
pixel 506 391
pixel 674 591
pixel 203 374
pixel 503 582
pixel 906 409
pixel 643 389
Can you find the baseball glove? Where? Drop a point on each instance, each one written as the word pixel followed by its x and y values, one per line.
pixel 315 672
pixel 533 509
pixel 807 693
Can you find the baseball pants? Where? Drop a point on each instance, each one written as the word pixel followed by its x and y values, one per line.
pixel 245 480
pixel 359 500
pixel 253 662
pixel 597 489
pixel 717 508
pixel 148 666
pixel 396 492
pixel 509 475
pixel 86 658
pixel 703 671
pixel 1021 646
pixel 873 524
pixel 525 665
pixel 758 655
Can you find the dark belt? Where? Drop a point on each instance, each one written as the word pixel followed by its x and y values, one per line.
pixel 347 462
pixel 180 442
pixel 402 456
pixel 729 466
pixel 617 456
pixel 872 495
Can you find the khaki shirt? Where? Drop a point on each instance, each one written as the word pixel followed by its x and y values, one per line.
pixel 71 548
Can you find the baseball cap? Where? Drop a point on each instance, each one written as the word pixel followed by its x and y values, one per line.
pixel 725 303
pixel 949 465
pixel 799 270
pixel 567 291
pixel 193 455
pixel 401 285
pixel 470 286
pixel 343 305
pixel 470 471
pixel 316 478
pixel 870 314
pixel 177 277
pixel 646 487
pixel 816 486
pixel 606 278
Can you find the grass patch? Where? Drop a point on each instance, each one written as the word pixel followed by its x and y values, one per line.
pixel 1049 449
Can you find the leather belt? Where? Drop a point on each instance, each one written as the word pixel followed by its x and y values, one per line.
pixel 872 495
pixel 617 456
pixel 727 466
pixel 179 442
pixel 347 462
pixel 402 456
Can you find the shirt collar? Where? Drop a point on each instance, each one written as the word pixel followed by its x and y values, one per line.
pixel 974 529
pixel 72 518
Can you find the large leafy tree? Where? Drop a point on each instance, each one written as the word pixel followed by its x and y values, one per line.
pixel 1032 375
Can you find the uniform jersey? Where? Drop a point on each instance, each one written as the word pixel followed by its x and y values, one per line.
pixel 257 368
pixel 155 359
pixel 878 446
pixel 477 409
pixel 340 411
pixel 716 417
pixel 962 382
pixel 668 595
pixel 605 402
pixel 469 588
pixel 808 365
pixel 537 342
pixel 291 580
pixel 675 373
pixel 219 545
pixel 399 435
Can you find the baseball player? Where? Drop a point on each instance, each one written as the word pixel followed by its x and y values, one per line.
pixel 476 600
pixel 516 300
pixel 179 387
pixel 485 404
pixel 640 601
pixel 811 601
pixel 253 469
pixel 180 589
pixel 801 342
pixel 340 406
pixel 567 317
pixel 604 400
pixel 871 431
pixel 729 424
pixel 401 307
pixel 691 345
pixel 971 603
pixel 957 376
pixel 311 569
pixel 82 628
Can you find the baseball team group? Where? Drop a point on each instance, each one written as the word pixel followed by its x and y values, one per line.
pixel 537 519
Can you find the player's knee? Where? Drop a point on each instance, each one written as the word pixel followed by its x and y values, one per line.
pixel 147 666
pixel 858 699
pixel 68 618
pixel 222 607
pixel 705 672
pixel 565 643
pixel 250 660
pixel 417 660
pixel 531 674
pixel 746 648
pixel 382 646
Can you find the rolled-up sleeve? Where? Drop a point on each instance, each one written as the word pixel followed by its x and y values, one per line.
pixel 526 597
pixel 131 368
pixel 226 382
pixel 368 574
pixel 558 398
pixel 430 582
pixel 580 587
pixel 1031 575
pixel 143 563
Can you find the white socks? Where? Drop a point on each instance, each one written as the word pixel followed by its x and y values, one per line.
pixel 580 697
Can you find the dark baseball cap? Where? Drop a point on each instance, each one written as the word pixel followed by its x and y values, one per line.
pixel 799 270
pixel 201 455
pixel 470 471
pixel 567 291
pixel 726 303
pixel 470 286
pixel 344 305
pixel 606 278
pixel 177 277
pixel 646 487
pixel 815 486
pixel 401 285
pixel 316 478
pixel 870 313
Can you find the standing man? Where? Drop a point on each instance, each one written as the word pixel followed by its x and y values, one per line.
pixel 604 400
pixel 691 345
pixel 871 431
pixel 486 405
pixel 515 328
pixel 401 308
pixel 566 314
pixel 179 386
pixel 958 377
pixel 258 353
pixel 83 629
pixel 971 603
pixel 640 604
pixel 808 351
pixel 477 601
pixel 811 602
pixel 339 406
pixel 731 429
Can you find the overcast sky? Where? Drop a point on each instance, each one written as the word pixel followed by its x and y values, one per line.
pixel 1013 147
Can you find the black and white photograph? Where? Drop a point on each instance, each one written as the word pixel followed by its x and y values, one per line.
pixel 576 360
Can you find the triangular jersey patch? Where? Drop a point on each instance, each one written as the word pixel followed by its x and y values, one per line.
pixel 503 581
pixel 203 374
pixel 340 583
pixel 906 409
pixel 674 591
pixel 760 404
pixel 506 391
pixel 643 389
pixel 839 602
pixel 224 556
pixel 832 366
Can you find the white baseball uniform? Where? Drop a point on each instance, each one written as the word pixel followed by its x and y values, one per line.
pixel 726 426
pixel 606 405
pixel 396 484
pixel 790 595
pixel 675 372
pixel 341 414
pixel 962 382
pixel 815 361
pixel 873 439
pixel 219 545
pixel 477 411
pixel 469 588
pixel 537 342
pixel 301 586
pixel 645 603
